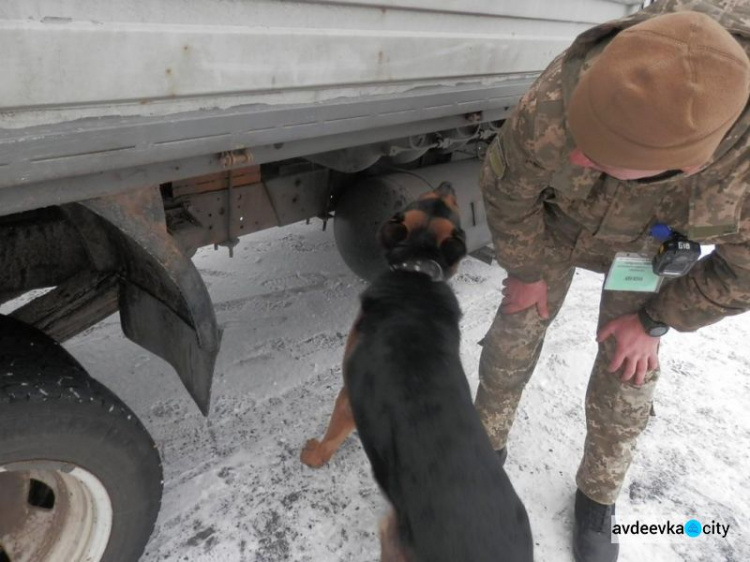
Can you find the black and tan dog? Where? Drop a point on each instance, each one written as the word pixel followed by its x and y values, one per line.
pixel 407 394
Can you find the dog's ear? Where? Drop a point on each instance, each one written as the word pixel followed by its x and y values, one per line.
pixel 454 248
pixel 393 232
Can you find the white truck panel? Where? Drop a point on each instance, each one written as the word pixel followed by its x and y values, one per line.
pixel 68 59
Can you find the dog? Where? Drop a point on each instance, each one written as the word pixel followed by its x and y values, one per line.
pixel 406 393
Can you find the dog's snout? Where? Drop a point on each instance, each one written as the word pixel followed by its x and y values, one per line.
pixel 445 189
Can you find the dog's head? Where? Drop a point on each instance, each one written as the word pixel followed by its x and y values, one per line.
pixel 428 229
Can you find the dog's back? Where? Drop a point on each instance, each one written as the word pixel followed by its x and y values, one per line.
pixel 428 449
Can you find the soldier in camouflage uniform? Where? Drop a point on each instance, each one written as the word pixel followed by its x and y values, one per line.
pixel 562 190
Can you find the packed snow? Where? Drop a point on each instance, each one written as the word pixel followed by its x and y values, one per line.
pixel 235 490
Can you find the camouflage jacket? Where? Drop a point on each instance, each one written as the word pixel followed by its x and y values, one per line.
pixel 545 213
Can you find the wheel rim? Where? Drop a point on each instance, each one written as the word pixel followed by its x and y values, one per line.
pixel 52 512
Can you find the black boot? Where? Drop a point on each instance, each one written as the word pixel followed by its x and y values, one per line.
pixel 592 535
pixel 502 455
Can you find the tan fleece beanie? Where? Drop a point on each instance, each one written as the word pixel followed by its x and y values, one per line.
pixel 661 95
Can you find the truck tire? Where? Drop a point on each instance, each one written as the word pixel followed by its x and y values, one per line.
pixel 80 477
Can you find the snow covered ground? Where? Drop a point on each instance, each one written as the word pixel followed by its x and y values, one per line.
pixel 236 491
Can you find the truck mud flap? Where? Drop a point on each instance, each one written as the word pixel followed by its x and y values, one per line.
pixel 164 304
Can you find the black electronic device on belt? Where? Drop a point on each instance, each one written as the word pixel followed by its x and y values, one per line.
pixel 676 256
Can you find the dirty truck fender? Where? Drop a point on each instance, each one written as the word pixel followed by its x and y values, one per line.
pixel 163 301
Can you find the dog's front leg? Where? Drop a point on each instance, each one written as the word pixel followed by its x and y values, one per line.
pixel 317 453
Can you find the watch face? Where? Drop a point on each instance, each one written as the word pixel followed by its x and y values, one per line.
pixel 658 331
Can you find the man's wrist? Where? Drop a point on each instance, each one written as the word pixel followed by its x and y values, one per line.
pixel 651 326
pixel 525 275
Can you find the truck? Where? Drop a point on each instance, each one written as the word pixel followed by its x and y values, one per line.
pixel 132 134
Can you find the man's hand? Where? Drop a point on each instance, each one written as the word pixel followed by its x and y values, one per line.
pixel 518 296
pixel 636 350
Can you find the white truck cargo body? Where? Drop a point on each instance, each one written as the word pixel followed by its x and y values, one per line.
pixel 67 59
pixel 123 94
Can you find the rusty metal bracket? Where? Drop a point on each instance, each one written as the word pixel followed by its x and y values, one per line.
pixel 233 158
pixel 232 241
pixel 164 303
pixel 204 211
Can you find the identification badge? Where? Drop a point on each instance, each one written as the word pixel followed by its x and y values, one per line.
pixel 632 272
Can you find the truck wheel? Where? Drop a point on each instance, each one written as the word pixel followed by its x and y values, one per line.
pixel 360 211
pixel 363 207
pixel 80 477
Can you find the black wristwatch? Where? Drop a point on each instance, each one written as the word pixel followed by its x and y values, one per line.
pixel 653 328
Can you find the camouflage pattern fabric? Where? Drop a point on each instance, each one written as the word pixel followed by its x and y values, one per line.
pixel 548 216
pixel 531 191
pixel 616 412
pixel 509 354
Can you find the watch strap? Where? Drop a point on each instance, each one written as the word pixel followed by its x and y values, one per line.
pixel 650 325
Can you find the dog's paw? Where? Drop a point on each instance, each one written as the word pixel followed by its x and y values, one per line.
pixel 314 455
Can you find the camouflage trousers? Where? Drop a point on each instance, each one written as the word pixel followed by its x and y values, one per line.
pixel 616 412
